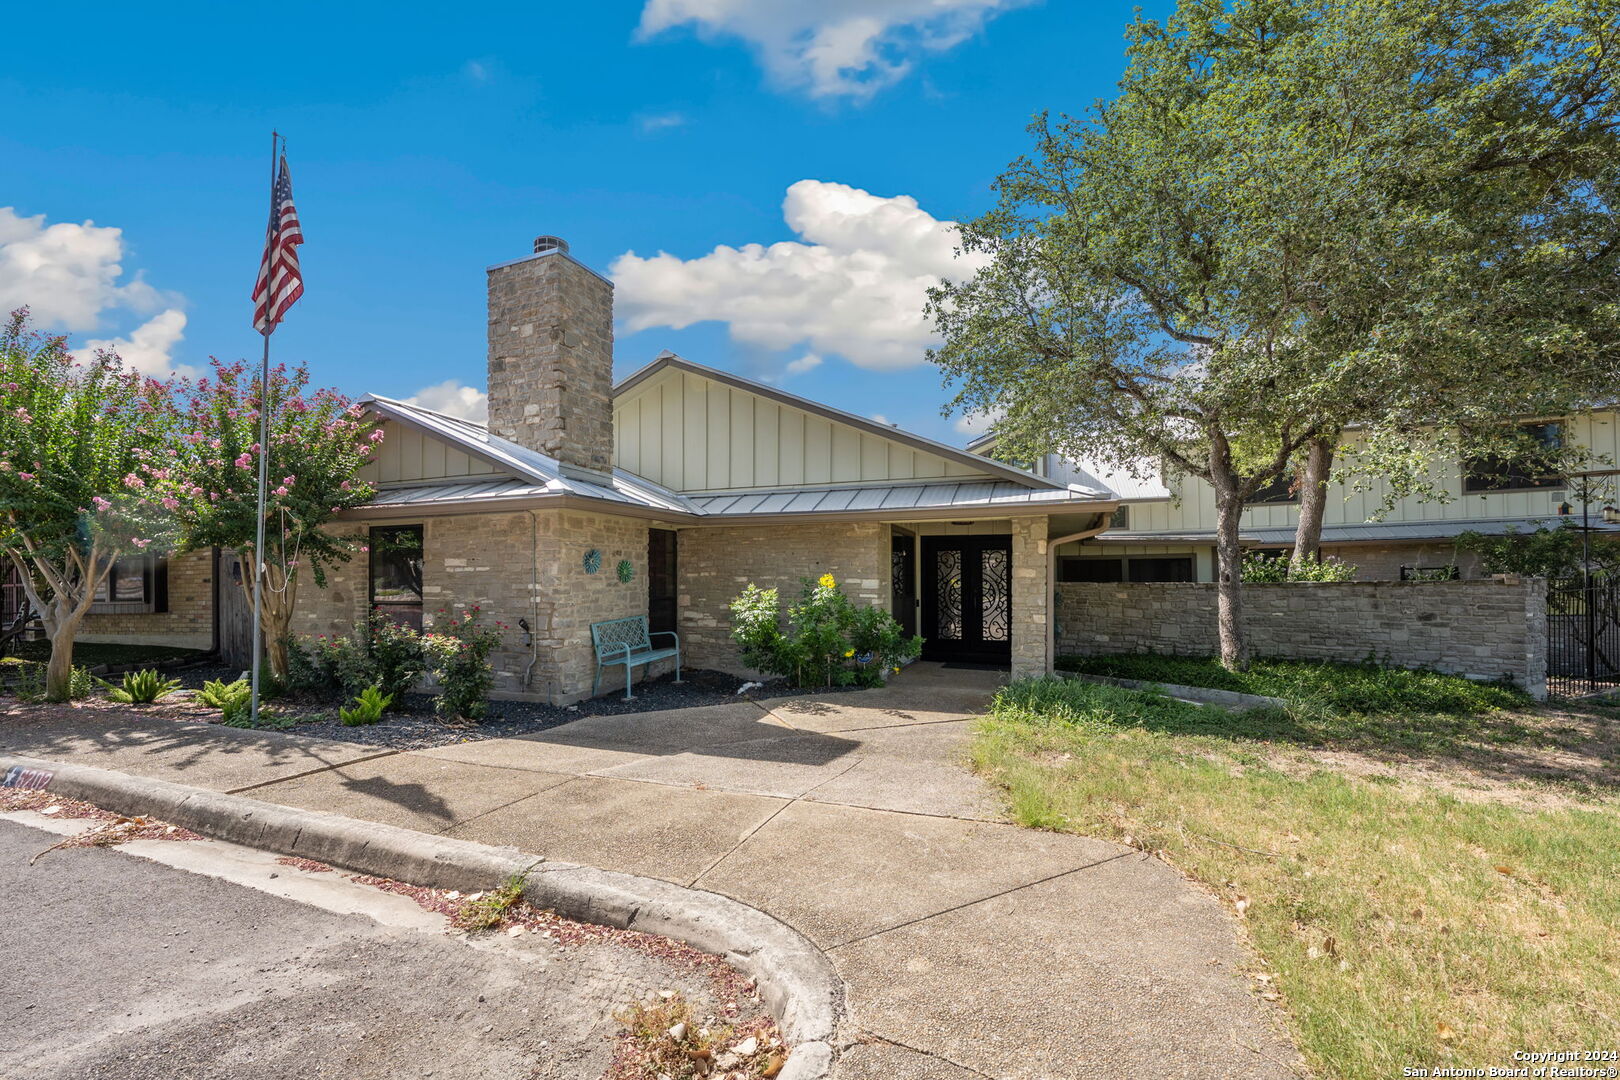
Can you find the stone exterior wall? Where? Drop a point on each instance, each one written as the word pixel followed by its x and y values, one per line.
pixel 1383 562
pixel 189 622
pixel 1485 629
pixel 716 564
pixel 512 566
pixel 1031 597
pixel 551 359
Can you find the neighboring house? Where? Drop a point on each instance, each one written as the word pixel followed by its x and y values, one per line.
pixel 582 501
pixel 1164 529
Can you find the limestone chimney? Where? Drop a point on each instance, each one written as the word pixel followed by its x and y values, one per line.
pixel 551 358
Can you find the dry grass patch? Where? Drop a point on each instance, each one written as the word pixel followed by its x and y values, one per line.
pixel 1397 923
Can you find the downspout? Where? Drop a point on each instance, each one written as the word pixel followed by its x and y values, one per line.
pixel 534 599
pixel 1052 545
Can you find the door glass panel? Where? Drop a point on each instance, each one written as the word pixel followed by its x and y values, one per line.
pixel 996 600
pixel 948 566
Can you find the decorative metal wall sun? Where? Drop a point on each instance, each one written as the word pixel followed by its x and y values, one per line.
pixel 593 561
pixel 627 570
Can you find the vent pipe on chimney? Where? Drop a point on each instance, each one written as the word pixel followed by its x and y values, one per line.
pixel 543 244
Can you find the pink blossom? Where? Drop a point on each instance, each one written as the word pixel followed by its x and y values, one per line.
pixel 363 547
pixel 282 490
pixel 25 476
pixel 288 480
pixel 101 504
pixel 343 486
pixel 170 502
pixel 140 543
pixel 243 462
pixel 22 414
pixel 376 436
pixel 134 481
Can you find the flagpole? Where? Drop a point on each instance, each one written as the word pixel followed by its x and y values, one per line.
pixel 264 467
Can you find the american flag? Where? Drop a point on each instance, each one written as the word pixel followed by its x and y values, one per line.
pixel 280 283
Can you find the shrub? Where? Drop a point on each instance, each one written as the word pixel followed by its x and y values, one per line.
pixel 234 700
pixel 368 707
pixel 380 652
pixel 828 640
pixel 1260 569
pixel 458 649
pixel 141 688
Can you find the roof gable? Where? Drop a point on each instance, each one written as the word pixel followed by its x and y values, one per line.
pixel 697 429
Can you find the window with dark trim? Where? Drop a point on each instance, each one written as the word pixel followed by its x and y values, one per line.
pixel 661 581
pixel 1493 473
pixel 1431 573
pixel 1279 490
pixel 1137 568
pixel 396 572
pixel 136 585
pixel 1121 517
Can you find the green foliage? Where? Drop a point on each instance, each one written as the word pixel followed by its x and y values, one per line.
pixel 141 687
pixel 1542 552
pixel 1319 686
pixel 232 699
pixel 29 685
pixel 368 707
pixel 827 641
pixel 458 649
pixel 1260 568
pixel 487 912
pixel 380 652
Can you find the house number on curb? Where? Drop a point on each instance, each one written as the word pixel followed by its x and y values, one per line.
pixel 593 561
pixel 627 570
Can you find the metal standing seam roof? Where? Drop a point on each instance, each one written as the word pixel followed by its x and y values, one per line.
pixel 538 475
pixel 1355 532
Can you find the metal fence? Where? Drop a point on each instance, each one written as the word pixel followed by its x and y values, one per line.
pixel 1583 636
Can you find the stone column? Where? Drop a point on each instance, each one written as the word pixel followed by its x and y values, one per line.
pixel 1031 597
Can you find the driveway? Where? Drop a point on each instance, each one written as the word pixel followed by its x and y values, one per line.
pixel 971 947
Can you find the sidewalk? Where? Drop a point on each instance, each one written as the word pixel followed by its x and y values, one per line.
pixel 971 947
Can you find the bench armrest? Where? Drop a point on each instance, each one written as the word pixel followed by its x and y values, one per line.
pixel 665 633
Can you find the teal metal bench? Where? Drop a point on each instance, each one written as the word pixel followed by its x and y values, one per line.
pixel 626 641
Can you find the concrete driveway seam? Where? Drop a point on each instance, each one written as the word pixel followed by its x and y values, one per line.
pixel 796 980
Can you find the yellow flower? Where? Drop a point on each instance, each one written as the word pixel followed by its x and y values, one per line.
pixel 827 581
pixel 849 654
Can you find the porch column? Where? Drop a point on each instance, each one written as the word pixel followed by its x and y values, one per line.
pixel 1031 597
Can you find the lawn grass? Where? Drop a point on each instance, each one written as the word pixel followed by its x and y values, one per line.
pixel 1400 925
pixel 1324 686
pixel 95 654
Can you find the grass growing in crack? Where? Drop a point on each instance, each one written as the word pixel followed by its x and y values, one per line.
pixel 1398 922
pixel 486 912
pixel 664 1037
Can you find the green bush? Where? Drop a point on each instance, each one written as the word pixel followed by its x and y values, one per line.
pixel 1261 569
pixel 141 688
pixel 232 699
pixel 368 707
pixel 380 652
pixel 458 649
pixel 29 685
pixel 827 641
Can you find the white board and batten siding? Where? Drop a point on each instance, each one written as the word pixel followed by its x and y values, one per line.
pixel 694 434
pixel 407 456
pixel 1194 511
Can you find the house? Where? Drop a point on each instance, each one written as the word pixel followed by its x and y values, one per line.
pixel 664 495
pixel 1164 529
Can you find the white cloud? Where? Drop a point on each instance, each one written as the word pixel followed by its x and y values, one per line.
pixel 880 418
pixel 147 348
pixel 976 424
pixel 453 399
pixel 68 276
pixel 807 362
pixel 854 285
pixel 831 48
pixel 652 123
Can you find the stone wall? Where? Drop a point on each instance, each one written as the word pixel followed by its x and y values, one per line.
pixel 1031 596
pixel 551 359
pixel 512 566
pixel 1485 629
pixel 1383 562
pixel 187 624
pixel 717 563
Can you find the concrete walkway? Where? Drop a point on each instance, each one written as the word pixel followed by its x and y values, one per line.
pixel 971 947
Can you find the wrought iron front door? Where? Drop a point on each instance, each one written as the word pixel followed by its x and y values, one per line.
pixel 967 599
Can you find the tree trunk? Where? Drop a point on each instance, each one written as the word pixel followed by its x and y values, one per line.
pixel 1312 502
pixel 1229 576
pixel 59 671
pixel 275 620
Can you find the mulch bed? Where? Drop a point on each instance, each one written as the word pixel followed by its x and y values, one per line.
pixel 415 726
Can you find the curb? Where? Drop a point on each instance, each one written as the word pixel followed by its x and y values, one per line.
pixel 796 980
pixel 1203 695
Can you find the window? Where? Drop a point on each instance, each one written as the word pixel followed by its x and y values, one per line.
pixel 396 572
pixel 1121 518
pixel 1430 573
pixel 138 584
pixel 1493 473
pixel 1280 490
pixel 661 581
pixel 1139 568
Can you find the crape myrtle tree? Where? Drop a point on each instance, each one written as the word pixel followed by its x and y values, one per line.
pixel 86 477
pixel 1240 256
pixel 319 440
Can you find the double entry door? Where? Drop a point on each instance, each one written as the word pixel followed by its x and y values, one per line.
pixel 967 599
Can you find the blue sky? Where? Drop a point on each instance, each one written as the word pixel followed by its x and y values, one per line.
pixel 427 144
